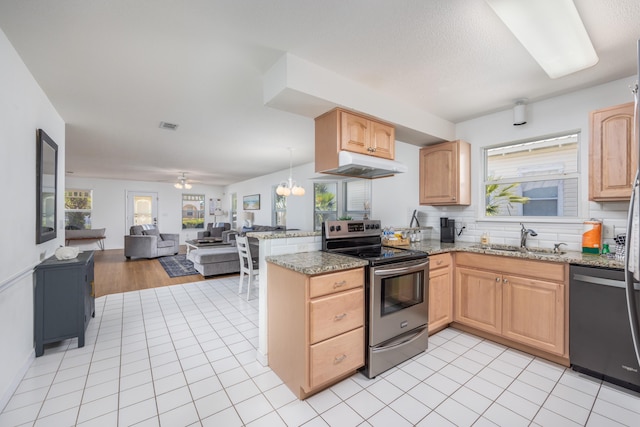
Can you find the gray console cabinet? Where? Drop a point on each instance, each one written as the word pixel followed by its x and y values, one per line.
pixel 64 299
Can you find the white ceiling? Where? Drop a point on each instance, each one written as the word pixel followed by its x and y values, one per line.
pixel 115 68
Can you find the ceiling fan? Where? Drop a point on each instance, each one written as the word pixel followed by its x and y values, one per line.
pixel 182 182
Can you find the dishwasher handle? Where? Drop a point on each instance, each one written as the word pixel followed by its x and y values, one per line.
pixel 604 282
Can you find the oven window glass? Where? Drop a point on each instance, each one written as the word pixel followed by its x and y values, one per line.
pixel 399 292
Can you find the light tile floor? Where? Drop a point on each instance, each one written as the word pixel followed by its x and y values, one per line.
pixel 185 356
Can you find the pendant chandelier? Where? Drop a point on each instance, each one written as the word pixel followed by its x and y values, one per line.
pixel 182 182
pixel 289 187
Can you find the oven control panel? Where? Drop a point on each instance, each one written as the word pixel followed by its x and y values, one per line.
pixel 351 228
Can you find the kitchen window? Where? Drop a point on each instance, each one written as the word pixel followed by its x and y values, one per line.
pixel 341 199
pixel 325 196
pixel 357 197
pixel 77 209
pixel 537 178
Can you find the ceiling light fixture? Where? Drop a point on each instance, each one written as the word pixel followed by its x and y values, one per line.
pixel 182 182
pixel 289 187
pixel 520 112
pixel 551 31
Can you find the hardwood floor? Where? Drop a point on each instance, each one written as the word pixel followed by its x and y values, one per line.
pixel 114 273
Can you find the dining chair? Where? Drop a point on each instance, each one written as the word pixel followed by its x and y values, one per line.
pixel 248 266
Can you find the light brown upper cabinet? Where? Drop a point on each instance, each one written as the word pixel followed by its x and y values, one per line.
pixel 612 154
pixel 339 130
pixel 445 174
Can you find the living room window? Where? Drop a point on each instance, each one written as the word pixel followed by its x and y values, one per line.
pixel 233 212
pixel 278 208
pixel 77 209
pixel 192 211
pixel 537 178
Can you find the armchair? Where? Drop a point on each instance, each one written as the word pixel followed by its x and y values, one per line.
pixel 145 241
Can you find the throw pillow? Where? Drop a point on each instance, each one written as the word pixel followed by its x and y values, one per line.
pixel 216 231
pixel 151 232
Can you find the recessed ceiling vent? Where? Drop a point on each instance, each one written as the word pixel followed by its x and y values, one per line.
pixel 167 125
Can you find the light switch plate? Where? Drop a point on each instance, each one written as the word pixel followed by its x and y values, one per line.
pixel 607 231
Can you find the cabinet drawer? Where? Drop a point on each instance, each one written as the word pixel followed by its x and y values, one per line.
pixel 336 356
pixel 439 261
pixel 506 265
pixel 335 282
pixel 335 314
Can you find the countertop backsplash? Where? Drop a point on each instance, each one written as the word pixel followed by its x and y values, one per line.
pixel 613 215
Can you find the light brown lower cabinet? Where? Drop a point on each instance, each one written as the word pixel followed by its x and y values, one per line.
pixel 315 327
pixel 533 312
pixel 524 301
pixel 479 299
pixel 440 292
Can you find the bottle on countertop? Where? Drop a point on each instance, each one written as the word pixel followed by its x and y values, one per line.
pixel 484 240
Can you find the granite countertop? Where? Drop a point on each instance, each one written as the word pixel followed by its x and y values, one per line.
pixel 311 263
pixel 433 247
pixel 318 262
pixel 266 235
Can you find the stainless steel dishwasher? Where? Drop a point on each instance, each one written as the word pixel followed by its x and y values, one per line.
pixel 600 342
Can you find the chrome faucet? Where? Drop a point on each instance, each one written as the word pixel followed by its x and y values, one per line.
pixel 524 232
pixel 556 247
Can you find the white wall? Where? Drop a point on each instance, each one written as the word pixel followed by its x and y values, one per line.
pixel 395 198
pixel 110 204
pixel 299 208
pixel 24 108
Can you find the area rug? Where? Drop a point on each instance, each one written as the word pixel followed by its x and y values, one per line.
pixel 177 265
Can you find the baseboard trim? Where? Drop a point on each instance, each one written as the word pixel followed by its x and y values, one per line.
pixel 262 358
pixel 17 379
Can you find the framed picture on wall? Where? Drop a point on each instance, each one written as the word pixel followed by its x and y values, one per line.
pixel 251 203
pixel 214 206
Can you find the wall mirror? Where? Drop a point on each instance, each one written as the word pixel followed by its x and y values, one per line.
pixel 46 186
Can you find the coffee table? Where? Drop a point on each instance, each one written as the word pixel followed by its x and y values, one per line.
pixel 204 243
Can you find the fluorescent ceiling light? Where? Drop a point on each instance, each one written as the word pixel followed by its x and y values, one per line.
pixel 552 32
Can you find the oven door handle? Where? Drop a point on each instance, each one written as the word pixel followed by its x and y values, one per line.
pixel 406 269
pixel 401 342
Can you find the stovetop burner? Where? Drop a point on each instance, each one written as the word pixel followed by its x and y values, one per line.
pixel 383 254
pixel 362 239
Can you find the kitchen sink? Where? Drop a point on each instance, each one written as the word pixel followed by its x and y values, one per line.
pixel 544 251
pixel 533 251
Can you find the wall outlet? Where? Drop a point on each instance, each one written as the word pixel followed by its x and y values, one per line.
pixel 607 231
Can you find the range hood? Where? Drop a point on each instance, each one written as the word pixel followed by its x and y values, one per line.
pixel 363 166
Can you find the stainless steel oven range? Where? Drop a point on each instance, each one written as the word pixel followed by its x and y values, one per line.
pixel 396 292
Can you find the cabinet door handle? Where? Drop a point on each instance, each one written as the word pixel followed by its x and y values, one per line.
pixel 497 279
pixel 339 359
pixel 439 262
pixel 505 281
pixel 340 316
pixel 339 284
